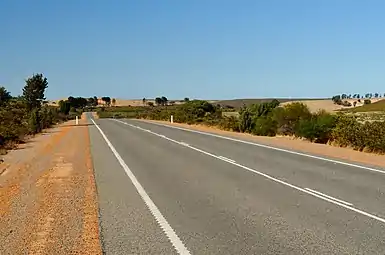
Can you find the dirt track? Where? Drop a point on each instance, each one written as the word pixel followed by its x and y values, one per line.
pixel 48 195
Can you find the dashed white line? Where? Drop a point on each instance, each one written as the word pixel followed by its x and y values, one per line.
pixel 274 148
pixel 165 226
pixel 227 159
pixel 304 190
pixel 333 198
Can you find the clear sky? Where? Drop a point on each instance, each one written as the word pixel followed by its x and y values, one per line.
pixel 209 49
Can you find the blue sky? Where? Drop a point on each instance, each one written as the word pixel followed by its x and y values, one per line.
pixel 209 49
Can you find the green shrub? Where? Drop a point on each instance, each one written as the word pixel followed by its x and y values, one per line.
pixel 34 124
pixel 318 128
pixel 348 132
pixel 13 122
pixel 289 116
pixel 373 135
pixel 265 126
pixel 246 123
pixel 229 123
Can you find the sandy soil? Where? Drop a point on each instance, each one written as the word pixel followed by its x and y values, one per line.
pixel 48 199
pixel 297 145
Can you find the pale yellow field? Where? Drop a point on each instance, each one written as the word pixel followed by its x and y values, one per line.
pixel 314 105
pixel 328 105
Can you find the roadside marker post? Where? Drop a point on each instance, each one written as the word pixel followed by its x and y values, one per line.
pixel 77 120
pixel 172 119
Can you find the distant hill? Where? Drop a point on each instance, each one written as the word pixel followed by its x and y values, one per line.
pixel 378 106
pixel 238 103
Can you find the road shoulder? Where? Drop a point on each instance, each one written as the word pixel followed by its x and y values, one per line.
pixel 48 195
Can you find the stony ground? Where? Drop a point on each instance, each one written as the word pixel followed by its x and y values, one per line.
pixel 48 201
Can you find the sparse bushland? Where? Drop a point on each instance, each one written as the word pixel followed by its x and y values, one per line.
pixel 269 119
pixel 27 114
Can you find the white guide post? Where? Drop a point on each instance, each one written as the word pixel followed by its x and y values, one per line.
pixel 77 120
pixel 172 119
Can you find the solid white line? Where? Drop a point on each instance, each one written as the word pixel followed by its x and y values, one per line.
pixel 322 194
pixel 273 148
pixel 184 144
pixel 165 226
pixel 372 216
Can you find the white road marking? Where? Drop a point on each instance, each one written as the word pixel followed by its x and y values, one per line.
pixel 333 198
pixel 184 144
pixel 372 216
pixel 274 148
pixel 165 226
pixel 226 159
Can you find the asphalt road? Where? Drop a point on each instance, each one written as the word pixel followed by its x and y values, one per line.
pixel 168 191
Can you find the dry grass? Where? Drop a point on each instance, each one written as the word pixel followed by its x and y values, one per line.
pixel 328 105
pixel 313 104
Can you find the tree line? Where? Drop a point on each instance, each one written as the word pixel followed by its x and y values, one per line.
pixel 270 119
pixel 27 113
pixel 342 99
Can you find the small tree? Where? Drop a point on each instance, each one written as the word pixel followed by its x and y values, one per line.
pixel 186 99
pixel 107 100
pixel 64 107
pixel 150 103
pixel 367 101
pixel 33 91
pixel 34 121
pixel 158 101
pixel 337 99
pixel 113 101
pixel 5 96
pixel 164 100
pixel 354 103
pixel 144 101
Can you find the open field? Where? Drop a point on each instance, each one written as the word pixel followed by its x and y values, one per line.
pixel 238 103
pixel 314 104
pixel 375 106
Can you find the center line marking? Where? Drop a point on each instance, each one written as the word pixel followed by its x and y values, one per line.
pixel 272 148
pixel 227 159
pixel 304 190
pixel 322 194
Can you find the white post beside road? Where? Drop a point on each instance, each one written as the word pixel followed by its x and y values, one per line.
pixel 77 120
pixel 172 119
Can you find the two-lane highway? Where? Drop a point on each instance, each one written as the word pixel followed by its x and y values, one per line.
pixel 164 190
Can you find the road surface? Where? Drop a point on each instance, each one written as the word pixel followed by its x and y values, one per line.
pixel 163 190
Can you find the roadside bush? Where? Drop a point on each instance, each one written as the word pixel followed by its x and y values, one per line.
pixel 230 124
pixel 373 134
pixel 289 116
pixel 318 128
pixel 246 123
pixel 34 122
pixel 13 122
pixel 249 116
pixel 367 101
pixel 348 132
pixel 265 126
